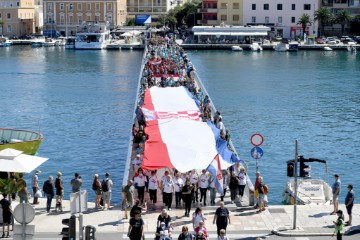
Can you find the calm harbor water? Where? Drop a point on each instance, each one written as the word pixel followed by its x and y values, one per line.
pixel 83 102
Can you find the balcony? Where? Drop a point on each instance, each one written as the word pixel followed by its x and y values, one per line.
pixel 208 10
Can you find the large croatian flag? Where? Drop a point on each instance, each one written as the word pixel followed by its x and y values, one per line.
pixel 215 169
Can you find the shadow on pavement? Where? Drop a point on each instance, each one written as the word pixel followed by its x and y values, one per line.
pixel 319 215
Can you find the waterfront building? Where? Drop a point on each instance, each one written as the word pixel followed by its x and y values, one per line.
pixel 154 8
pixel 17 17
pixel 215 12
pixel 352 6
pixel 39 15
pixel 67 17
pixel 229 34
pixel 282 16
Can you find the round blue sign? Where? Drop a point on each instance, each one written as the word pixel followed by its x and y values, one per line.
pixel 256 152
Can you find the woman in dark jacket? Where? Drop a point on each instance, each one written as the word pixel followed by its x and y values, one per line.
pixel 48 189
pixel 233 186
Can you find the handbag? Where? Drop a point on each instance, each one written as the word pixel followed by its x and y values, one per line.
pixel 38 193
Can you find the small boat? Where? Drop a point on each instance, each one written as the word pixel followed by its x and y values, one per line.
pixel 22 140
pixel 48 43
pixel 38 41
pixel 328 49
pixel 60 42
pixel 236 48
pixel 5 42
pixel 286 47
pixel 94 35
pixel 70 43
pixel 351 48
pixel 256 47
pixel 310 191
pixel 293 47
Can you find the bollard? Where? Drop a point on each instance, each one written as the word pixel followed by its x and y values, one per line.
pixel 90 232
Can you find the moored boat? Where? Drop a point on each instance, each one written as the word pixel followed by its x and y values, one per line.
pixel 93 36
pixel 22 140
pixel 236 48
pixel 5 42
pixel 70 43
pixel 256 47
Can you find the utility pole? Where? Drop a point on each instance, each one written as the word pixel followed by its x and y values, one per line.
pixel 295 182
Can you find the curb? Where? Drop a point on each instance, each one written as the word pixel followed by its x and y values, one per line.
pixel 289 232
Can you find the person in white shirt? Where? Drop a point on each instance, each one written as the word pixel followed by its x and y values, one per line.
pixel 136 162
pixel 220 125
pixel 178 184
pixel 168 191
pixel 139 182
pixel 212 189
pixel 203 185
pixel 242 183
pixel 153 186
pixel 194 179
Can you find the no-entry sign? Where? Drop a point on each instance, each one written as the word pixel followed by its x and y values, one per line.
pixel 256 139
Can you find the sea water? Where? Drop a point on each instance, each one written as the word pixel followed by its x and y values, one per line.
pixel 83 101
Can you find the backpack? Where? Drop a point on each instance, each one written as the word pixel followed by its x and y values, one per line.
pixel 94 187
pixel 266 189
pixel 105 186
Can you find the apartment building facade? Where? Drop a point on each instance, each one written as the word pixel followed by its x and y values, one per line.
pixel 17 17
pixel 215 12
pixel 68 17
pixel 281 16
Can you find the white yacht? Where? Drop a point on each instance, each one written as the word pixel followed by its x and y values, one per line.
pixel 310 191
pixel 236 48
pixel 94 35
pixel 256 47
pixel 37 40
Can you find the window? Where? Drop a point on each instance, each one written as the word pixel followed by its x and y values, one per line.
pixel 253 19
pixel 79 7
pixel 236 17
pixel 71 20
pixel 61 6
pixel 292 6
pixel 71 6
pixel 8 16
pixel 97 6
pixel 223 17
pixel 49 6
pixel 88 7
pixel 307 6
pixel 8 29
pixel 279 7
pixel 97 18
pixel 235 5
pixel 292 19
pixel 17 4
pixel 109 7
pixel 253 6
pixel 88 18
pixel 0 16
pixel 267 20
pixel 80 20
pixel 62 20
pixel 279 19
pixel 223 5
pixel 266 6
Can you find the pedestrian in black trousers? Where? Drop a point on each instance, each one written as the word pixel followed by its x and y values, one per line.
pixel 222 218
pixel 186 193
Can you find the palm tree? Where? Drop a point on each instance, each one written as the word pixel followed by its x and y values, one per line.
pixel 343 17
pixel 304 21
pixel 9 186
pixel 323 15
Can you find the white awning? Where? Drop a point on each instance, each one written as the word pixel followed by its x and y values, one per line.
pixel 231 33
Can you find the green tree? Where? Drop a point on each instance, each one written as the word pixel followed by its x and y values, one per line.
pixel 343 17
pixel 9 186
pixel 304 21
pixel 131 22
pixel 323 16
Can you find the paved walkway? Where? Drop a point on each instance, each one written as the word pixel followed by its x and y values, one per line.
pixel 311 220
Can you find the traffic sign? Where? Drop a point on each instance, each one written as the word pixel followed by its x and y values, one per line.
pixel 256 139
pixel 24 213
pixel 256 152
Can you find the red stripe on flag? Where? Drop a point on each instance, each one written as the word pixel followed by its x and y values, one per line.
pixel 156 154
pixel 148 104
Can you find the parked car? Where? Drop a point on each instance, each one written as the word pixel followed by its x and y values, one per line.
pixel 349 41
pixel 320 41
pixel 332 40
pixel 356 39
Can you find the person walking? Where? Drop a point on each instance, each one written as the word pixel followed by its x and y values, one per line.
pixel 128 197
pixel 212 189
pixel 226 181
pixel 136 228
pixel 197 217
pixel 256 187
pixel 222 235
pixel 96 186
pixel 59 192
pixel 194 179
pixel 336 187
pixel 185 234
pixel 178 185
pixel 186 194
pixel 241 183
pixel 221 218
pixel 76 183
pixel 23 191
pixel 35 185
pixel 48 189
pixel 349 203
pixel 153 186
pixel 339 225
pixel 168 191
pixel 140 181
pixel 203 185
pixel 6 215
pixel 106 186
pixel 233 186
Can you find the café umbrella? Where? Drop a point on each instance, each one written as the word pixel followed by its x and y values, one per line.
pixel 12 160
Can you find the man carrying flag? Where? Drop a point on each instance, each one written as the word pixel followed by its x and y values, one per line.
pixel 215 169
